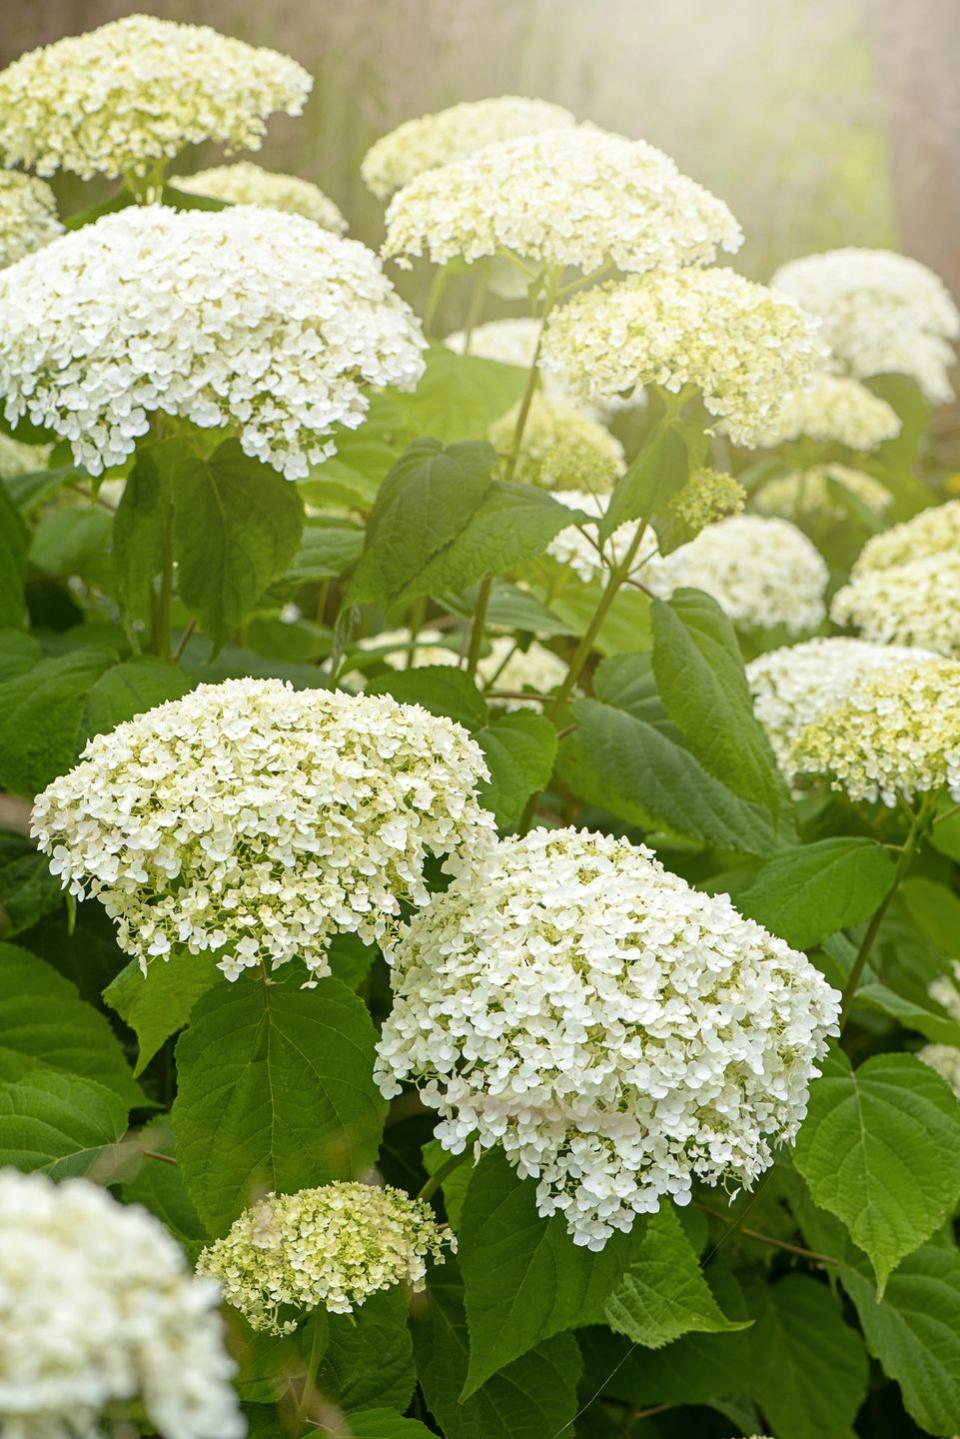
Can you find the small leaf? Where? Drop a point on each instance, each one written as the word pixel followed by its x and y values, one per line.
pixel 520 748
pixel 659 472
pixel 160 1002
pixel 57 1123
pixel 807 893
pixel 441 689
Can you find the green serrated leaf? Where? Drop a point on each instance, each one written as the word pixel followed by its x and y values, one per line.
pixel 28 891
pixel 57 1123
pixel 659 472
pixel 520 749
pixel 441 689
pixel 326 549
pixel 13 552
pixel 142 527
pixel 806 893
pixel 368 1360
pixel 160 1002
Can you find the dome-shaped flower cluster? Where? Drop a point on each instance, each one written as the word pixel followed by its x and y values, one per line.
pixel 98 1307
pixel 255 820
pixel 578 545
pixel 805 494
pixel 244 183
pixel 138 90
pixel 882 313
pixel 935 531
pixel 945 1059
pixel 708 496
pixel 28 216
pixel 432 140
pixel 761 572
pixel 238 316
pixel 833 409
pixel 327 1248
pixel 618 1032
pixel 742 345
pixel 895 736
pixel 917 603
pixel 561 448
pixel 507 667
pixel 576 196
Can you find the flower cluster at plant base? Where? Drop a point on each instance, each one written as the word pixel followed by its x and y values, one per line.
pixel 138 90
pixel 803 494
pixel 28 216
pixel 257 820
pixel 244 183
pixel 508 667
pixel 327 1248
pixel 577 197
pixel 882 313
pixel 238 316
pixel 578 546
pixel 833 409
pixel 561 448
pixel 761 572
pixel 98 1307
pixel 935 531
pixel 795 685
pixel 742 345
pixel 432 140
pixel 945 1059
pixel 917 603
pixel 896 735
pixel 619 1033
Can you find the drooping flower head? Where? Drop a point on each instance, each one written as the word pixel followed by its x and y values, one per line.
pixel 244 183
pixel 576 196
pixel 935 531
pixel 257 821
pixel 432 140
pixel 618 1032
pixel 328 1248
pixel 805 494
pixel 98 1307
pixel 138 90
pixel 833 410
pixel 238 317
pixel 742 345
pixel 561 448
pixel 916 603
pixel 28 216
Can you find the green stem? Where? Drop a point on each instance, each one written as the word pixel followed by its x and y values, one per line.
pixel 448 1166
pixel 417 616
pixel 437 289
pixel 479 620
pixel 309 1391
pixel 475 308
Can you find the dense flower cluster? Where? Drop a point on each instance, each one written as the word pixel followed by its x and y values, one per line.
pixel 742 345
pixel 917 603
pixel 619 1033
pixel 507 667
pixel 244 183
pixel 98 1307
pixel 708 496
pixel 564 197
pixel 255 820
pixel 945 1059
pixel 762 572
pixel 328 1248
pixel 28 216
pixel 833 409
pixel 561 449
pixel 17 458
pixel 237 316
pixel 578 545
pixel 896 735
pixel 803 494
pixel 433 140
pixel 935 531
pixel 881 312
pixel 138 90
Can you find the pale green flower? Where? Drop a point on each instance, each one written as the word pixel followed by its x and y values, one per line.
pixel 561 449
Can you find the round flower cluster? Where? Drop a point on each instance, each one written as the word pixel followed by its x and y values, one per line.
pixel 896 735
pixel 16 458
pixel 761 572
pixel 119 99
pixel 708 496
pixel 28 216
pixel 564 197
pixel 98 1307
pixel 578 545
pixel 935 531
pixel 433 140
pixel 742 345
pixel 795 685
pixel 833 410
pixel 256 820
pixel 561 449
pixel 618 1032
pixel 238 316
pixel 507 667
pixel 882 313
pixel 803 494
pixel 945 1059
pixel 244 183
pixel 917 603
pixel 328 1248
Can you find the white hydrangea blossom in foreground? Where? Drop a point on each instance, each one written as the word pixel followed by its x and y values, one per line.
pixel 239 316
pixel 138 90
pixel 945 1059
pixel 882 313
pixel 28 216
pixel 98 1307
pixel 804 494
pixel 794 685
pixel 507 667
pixel 432 140
pixel 578 197
pixel 256 820
pixel 561 448
pixel 244 183
pixel 762 573
pixel 935 531
pixel 833 409
pixel 917 603
pixel 743 346
pixel 618 1032
pixel 578 547
pixel 327 1248
pixel 896 735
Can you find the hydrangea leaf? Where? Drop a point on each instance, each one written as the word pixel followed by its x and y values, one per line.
pixel 368 1360
pixel 159 1187
pixel 141 527
pixel 158 1003
pixel 13 552
pixel 659 472
pixel 326 549
pixel 520 749
pixel 28 891
pixel 58 1123
pixel 382 1424
pixel 806 893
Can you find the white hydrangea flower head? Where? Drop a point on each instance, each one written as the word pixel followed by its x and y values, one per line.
pixel 138 90
pixel 98 1307
pixel 917 603
pixel 240 317
pixel 935 531
pixel 795 685
pixel 896 735
pixel 432 140
pixel 882 313
pixel 577 196
pixel 805 494
pixel 945 1059
pixel 257 821
pixel 833 409
pixel 762 573
pixel 28 216
pixel 17 458
pixel 743 346
pixel 618 1032
pixel 561 448
pixel 507 667
pixel 578 546
pixel 244 183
